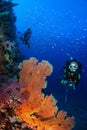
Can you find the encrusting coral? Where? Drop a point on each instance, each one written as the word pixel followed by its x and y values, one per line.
pixel 30 108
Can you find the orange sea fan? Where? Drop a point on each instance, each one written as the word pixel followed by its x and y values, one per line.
pixel 33 75
pixel 36 109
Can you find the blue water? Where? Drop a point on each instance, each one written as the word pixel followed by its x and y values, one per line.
pixel 59 31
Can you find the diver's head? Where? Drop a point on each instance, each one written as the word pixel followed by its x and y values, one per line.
pixel 73 66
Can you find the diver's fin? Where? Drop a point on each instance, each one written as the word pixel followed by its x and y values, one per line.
pixel 66 95
pixel 28 45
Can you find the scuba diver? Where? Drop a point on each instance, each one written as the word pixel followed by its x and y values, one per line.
pixel 72 73
pixel 26 37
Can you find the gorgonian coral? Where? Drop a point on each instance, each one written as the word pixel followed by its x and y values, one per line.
pixel 38 110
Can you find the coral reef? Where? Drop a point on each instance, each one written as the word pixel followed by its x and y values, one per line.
pixel 9 50
pixel 23 106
